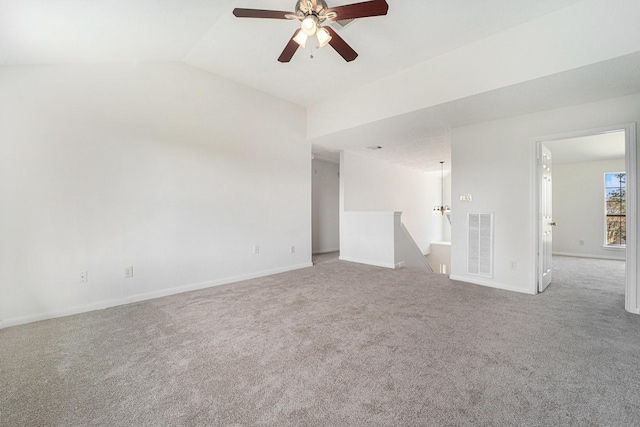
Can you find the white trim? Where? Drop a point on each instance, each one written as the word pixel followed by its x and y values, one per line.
pixel 146 296
pixel 615 248
pixel 368 262
pixel 489 284
pixel 631 292
pixel 632 304
pixel 578 255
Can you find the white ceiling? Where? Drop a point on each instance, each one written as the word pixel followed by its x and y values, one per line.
pixel 607 146
pixel 411 32
pixel 205 34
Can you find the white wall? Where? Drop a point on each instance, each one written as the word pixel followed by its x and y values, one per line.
pixel 161 167
pixel 578 208
pixel 380 239
pixel 369 238
pixel 371 185
pixel 325 206
pixel 493 161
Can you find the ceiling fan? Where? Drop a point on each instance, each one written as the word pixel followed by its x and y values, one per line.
pixel 312 14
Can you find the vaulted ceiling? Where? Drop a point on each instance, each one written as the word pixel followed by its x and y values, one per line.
pixel 416 38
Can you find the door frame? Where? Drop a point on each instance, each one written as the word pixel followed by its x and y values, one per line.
pixel 631 302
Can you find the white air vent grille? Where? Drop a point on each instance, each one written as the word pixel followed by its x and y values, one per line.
pixel 480 245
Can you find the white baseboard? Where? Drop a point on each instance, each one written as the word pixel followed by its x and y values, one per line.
pixel 489 284
pixel 634 310
pixel 589 256
pixel 6 323
pixel 368 262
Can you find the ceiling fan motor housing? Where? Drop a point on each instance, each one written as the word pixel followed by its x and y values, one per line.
pixel 305 7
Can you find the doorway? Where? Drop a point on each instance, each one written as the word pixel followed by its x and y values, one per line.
pixel 574 237
pixel 325 209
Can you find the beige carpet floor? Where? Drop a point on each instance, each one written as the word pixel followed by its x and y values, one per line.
pixel 337 344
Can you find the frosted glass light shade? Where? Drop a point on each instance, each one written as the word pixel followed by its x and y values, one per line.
pixel 323 36
pixel 309 25
pixel 300 38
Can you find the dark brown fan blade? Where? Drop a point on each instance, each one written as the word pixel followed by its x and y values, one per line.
pixel 259 13
pixel 289 49
pixel 341 46
pixel 360 10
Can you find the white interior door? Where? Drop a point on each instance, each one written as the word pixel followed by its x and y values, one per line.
pixel 546 221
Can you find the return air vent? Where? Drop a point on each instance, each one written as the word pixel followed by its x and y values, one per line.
pixel 480 245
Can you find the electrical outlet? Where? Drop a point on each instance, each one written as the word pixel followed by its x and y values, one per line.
pixel 84 277
pixel 256 249
pixel 293 249
pixel 128 272
pixel 465 197
pixel 513 265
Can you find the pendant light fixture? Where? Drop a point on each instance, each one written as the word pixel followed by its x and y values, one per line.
pixel 442 209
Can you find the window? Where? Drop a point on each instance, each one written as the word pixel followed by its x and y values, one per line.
pixel 615 189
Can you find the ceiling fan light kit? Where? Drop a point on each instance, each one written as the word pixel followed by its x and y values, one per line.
pixel 300 38
pixel 309 25
pixel 323 37
pixel 312 14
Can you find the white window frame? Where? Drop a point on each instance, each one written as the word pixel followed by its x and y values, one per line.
pixel 615 246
